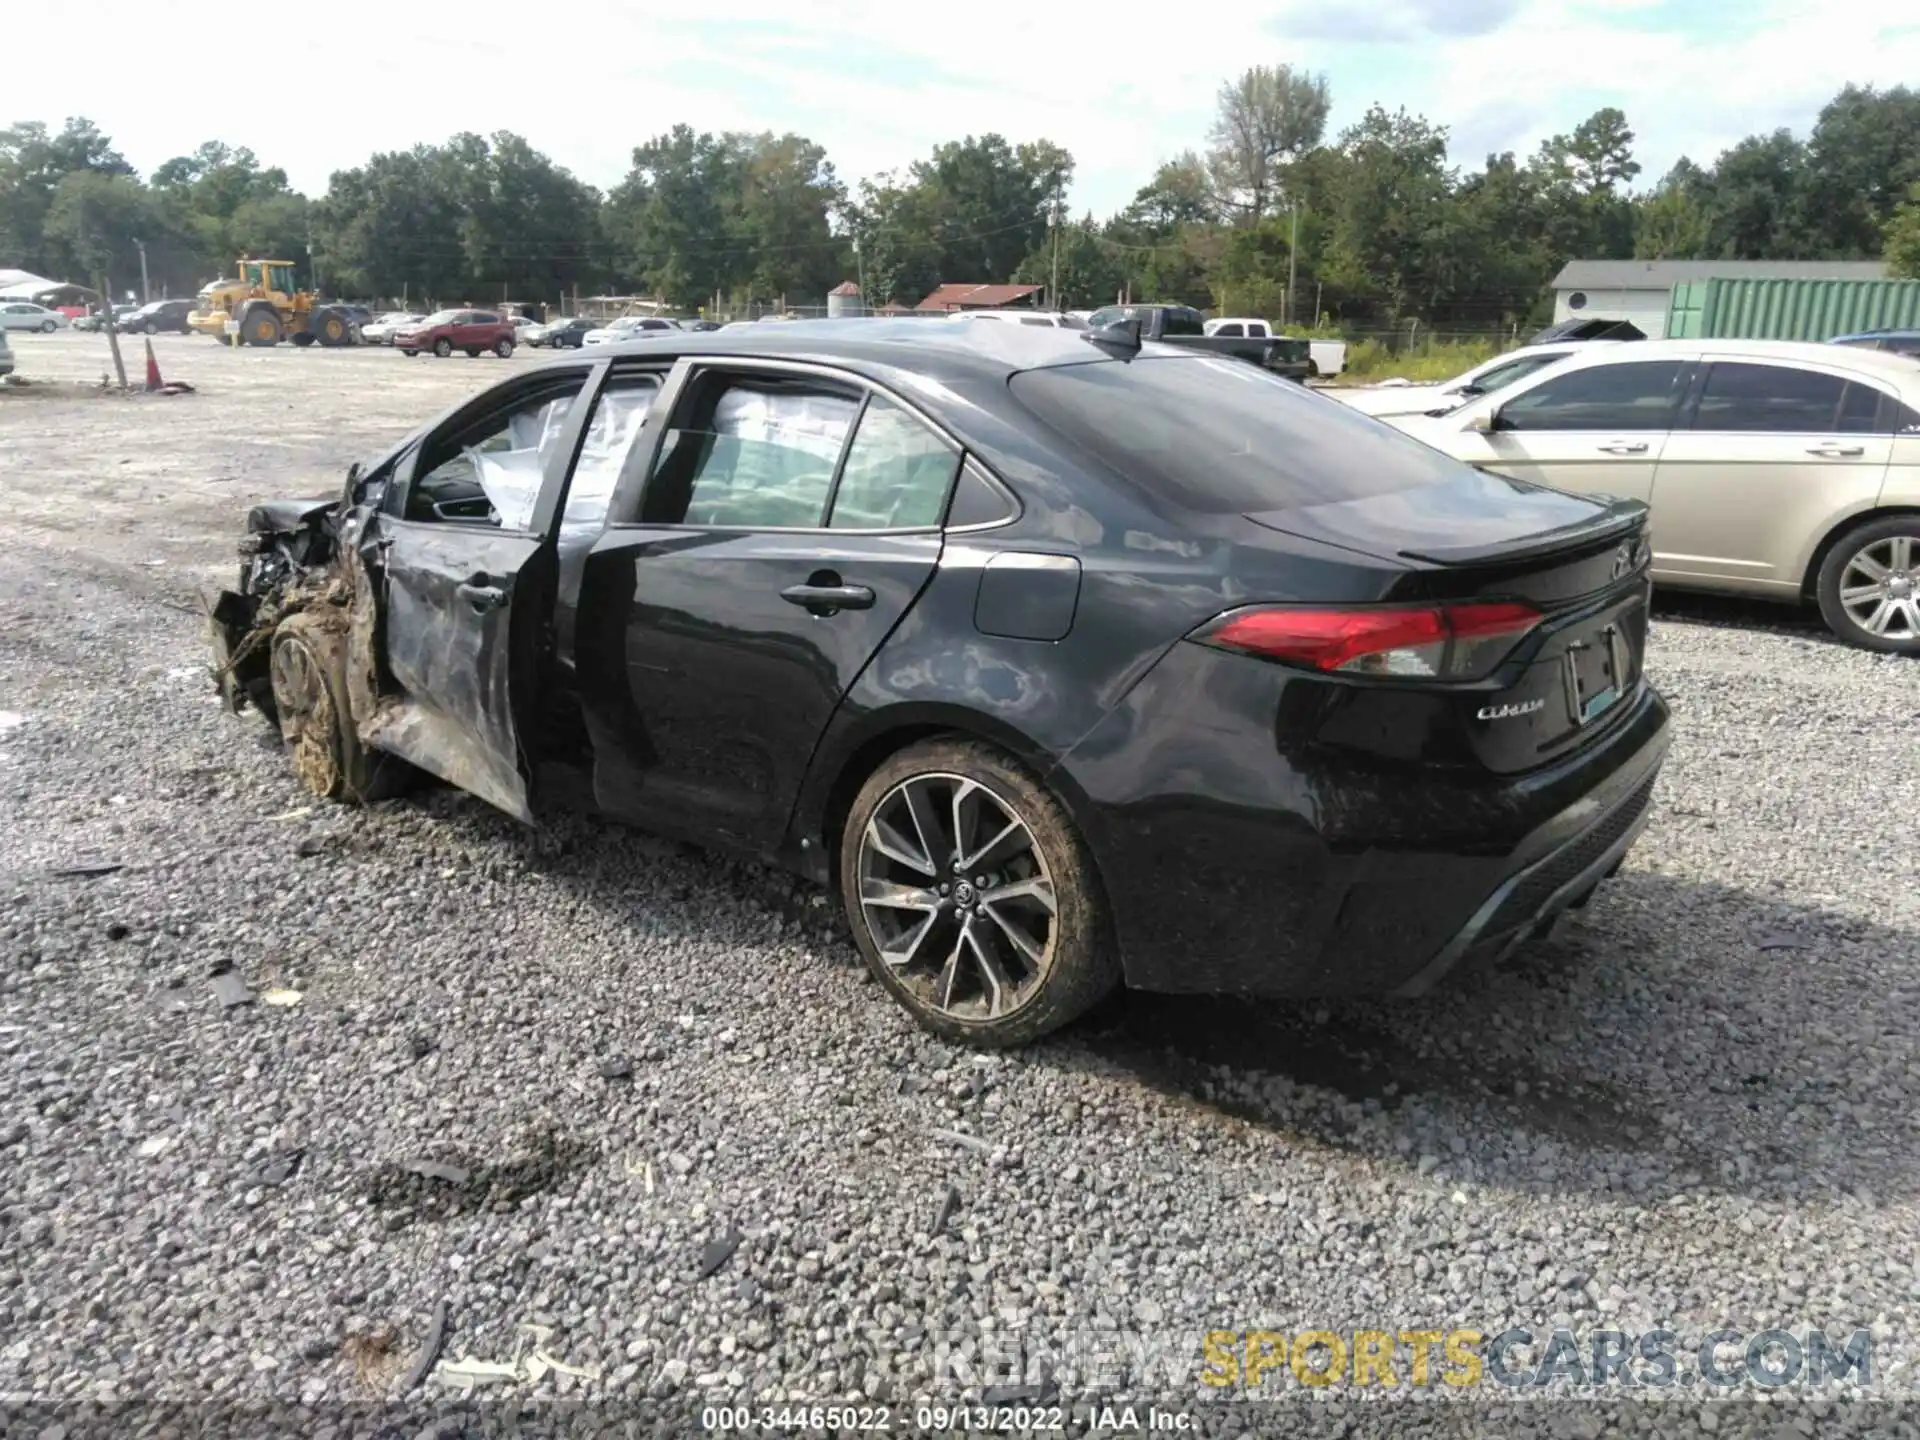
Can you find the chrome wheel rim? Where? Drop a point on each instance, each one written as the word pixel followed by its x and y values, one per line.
pixel 1880 588
pixel 957 896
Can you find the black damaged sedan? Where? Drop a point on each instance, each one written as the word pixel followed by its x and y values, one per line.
pixel 1063 660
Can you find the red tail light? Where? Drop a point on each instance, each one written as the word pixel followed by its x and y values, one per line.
pixel 1442 642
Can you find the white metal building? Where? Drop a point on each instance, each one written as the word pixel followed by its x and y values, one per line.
pixel 1640 290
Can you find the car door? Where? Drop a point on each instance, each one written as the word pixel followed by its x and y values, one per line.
pixel 464 541
pixel 1595 429
pixel 1769 454
pixel 788 521
pixel 15 317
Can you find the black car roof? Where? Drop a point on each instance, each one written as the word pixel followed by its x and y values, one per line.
pixel 937 349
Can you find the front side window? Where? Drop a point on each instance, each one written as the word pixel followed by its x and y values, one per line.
pixel 1637 396
pixel 1772 399
pixel 896 475
pixel 1181 321
pixel 488 471
pixel 750 452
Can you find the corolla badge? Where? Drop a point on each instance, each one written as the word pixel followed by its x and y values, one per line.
pixel 1510 710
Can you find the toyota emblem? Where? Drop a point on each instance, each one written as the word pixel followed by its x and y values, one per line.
pixel 1622 561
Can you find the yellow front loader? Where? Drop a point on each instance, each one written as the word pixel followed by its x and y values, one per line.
pixel 262 308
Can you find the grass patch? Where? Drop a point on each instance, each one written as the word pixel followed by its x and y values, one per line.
pixel 1369 360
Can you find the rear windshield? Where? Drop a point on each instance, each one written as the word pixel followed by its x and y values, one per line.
pixel 1224 436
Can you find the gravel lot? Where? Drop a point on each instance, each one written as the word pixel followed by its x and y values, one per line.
pixel 1695 1107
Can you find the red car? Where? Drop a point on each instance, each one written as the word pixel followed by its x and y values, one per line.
pixel 446 331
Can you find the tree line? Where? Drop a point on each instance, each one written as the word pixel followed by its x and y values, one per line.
pixel 1374 225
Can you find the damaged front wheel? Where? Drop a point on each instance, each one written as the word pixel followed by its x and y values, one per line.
pixel 310 697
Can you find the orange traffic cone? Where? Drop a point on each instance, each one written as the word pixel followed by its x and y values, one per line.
pixel 153 367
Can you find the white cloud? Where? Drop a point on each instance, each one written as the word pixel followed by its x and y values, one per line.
pixel 608 76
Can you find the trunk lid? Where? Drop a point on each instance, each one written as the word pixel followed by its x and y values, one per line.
pixel 1581 561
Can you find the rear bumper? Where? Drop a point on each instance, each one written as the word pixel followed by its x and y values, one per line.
pixel 1232 866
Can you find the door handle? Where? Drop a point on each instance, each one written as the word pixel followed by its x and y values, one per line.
pixel 825 599
pixel 1626 447
pixel 1835 452
pixel 481 596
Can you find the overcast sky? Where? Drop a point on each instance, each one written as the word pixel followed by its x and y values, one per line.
pixel 879 83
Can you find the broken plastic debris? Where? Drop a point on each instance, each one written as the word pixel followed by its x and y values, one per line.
pixel 469 1373
pixel 282 998
pixel 11 720
pixel 716 1253
pixel 430 1349
pixel 299 814
pixel 531 1369
pixel 230 990
pixel 434 1170
pixel 154 1145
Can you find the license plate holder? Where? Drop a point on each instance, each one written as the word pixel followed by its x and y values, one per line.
pixel 1599 671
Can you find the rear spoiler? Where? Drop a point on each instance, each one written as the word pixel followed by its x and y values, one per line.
pixel 1617 519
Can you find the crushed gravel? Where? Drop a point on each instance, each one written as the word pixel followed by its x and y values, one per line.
pixel 645 1098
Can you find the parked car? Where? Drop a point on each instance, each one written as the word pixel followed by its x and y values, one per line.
pixel 628 327
pixel 565 333
pixel 1325 358
pixel 1589 327
pixel 1186 327
pixel 25 315
pixel 161 315
pixel 1390 399
pixel 6 353
pixel 446 331
pixel 699 327
pixel 1898 342
pixel 1784 470
pixel 96 319
pixel 382 328
pixel 1056 319
pixel 869 601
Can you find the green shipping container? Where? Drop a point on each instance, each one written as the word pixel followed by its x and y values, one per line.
pixel 1789 309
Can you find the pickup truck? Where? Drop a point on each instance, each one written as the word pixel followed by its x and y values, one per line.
pixel 1184 326
pixel 1325 357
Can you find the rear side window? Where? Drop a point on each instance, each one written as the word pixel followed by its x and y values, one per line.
pixel 1180 321
pixel 1639 396
pixel 1232 331
pixel 1902 344
pixel 1221 436
pixel 482 317
pixel 750 453
pixel 897 473
pixel 1772 400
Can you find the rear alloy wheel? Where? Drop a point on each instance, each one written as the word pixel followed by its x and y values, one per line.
pixel 972 897
pixel 503 347
pixel 47 327
pixel 443 348
pixel 1869 586
pixel 310 700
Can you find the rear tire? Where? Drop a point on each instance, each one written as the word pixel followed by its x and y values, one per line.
pixel 261 326
pixel 503 347
pixel 991 965
pixel 1869 586
pixel 443 348
pixel 310 699
pixel 409 353
pixel 47 327
pixel 331 329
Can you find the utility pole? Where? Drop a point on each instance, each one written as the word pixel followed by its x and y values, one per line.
pixel 1293 253
pixel 860 272
pixel 313 261
pixel 1053 291
pixel 113 336
pixel 146 294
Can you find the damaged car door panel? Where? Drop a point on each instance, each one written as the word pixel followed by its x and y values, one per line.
pixel 1059 668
